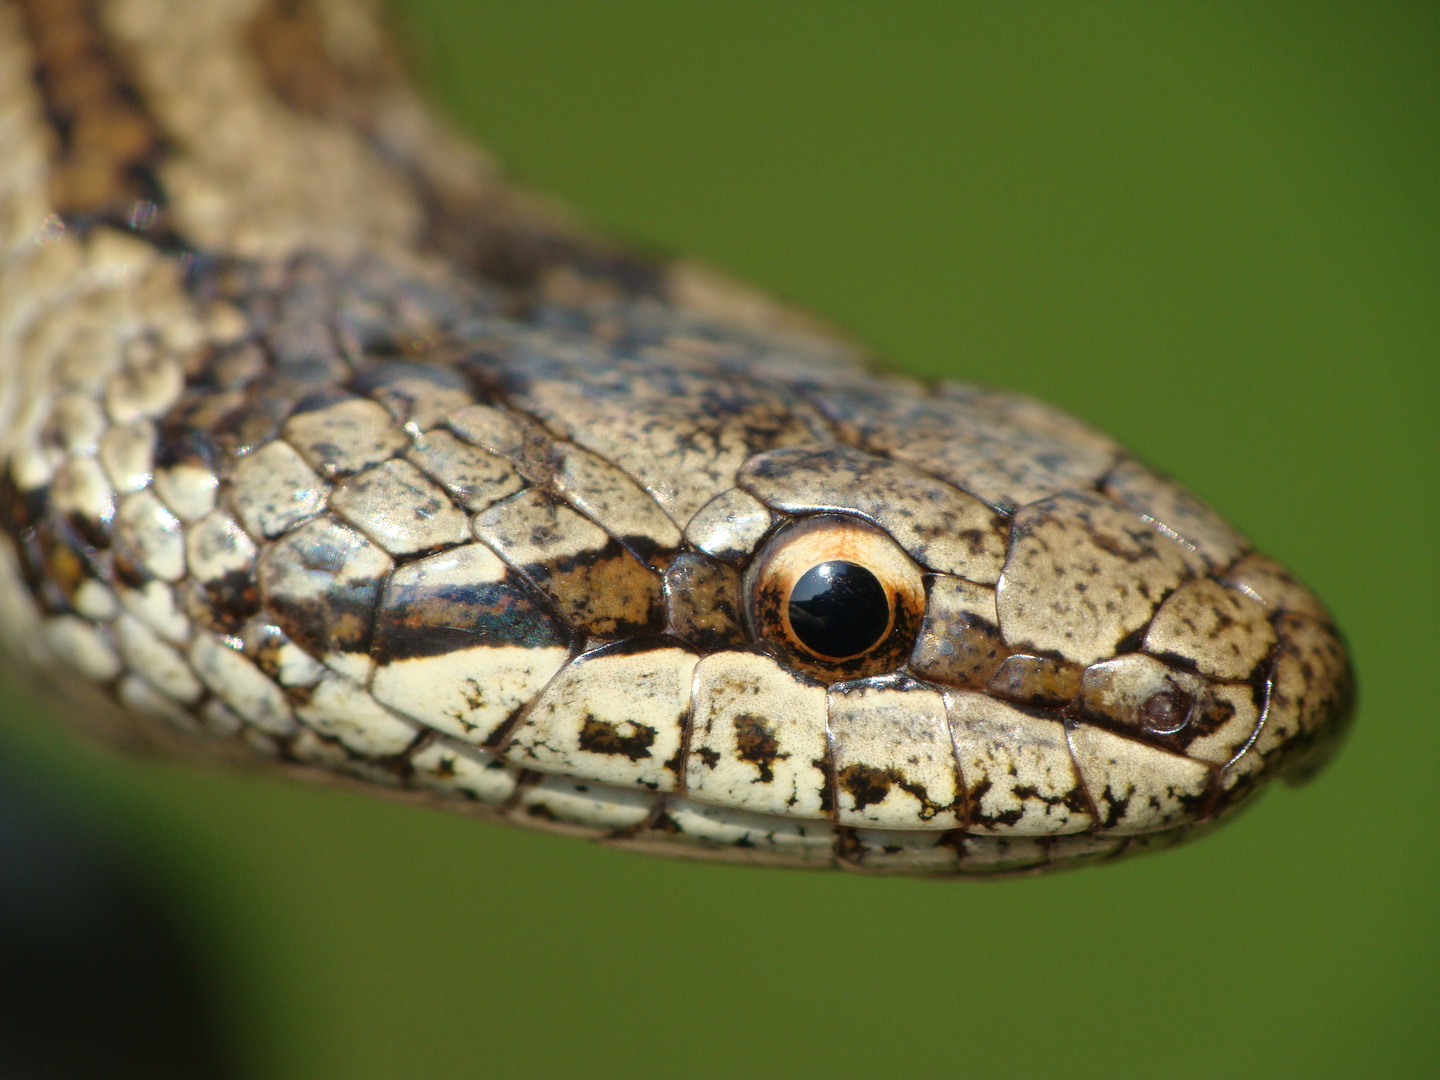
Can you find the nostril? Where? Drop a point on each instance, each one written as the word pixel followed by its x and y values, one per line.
pixel 1166 711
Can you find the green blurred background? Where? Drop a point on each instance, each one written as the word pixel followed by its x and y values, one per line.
pixel 1213 231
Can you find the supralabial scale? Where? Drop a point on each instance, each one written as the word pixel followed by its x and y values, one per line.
pixel 324 448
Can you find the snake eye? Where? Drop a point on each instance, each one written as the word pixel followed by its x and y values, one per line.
pixel 839 609
pixel 837 596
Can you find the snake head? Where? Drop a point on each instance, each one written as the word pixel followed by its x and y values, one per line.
pixel 695 594
pixel 1109 658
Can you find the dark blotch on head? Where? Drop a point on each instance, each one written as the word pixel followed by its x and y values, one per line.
pixel 758 745
pixel 868 785
pixel 603 737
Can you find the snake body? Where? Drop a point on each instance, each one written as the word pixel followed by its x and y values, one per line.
pixel 325 448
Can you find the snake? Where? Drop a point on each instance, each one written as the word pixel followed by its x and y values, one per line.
pixel 326 449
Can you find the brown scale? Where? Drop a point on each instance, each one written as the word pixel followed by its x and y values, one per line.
pixel 1082 576
pixel 416 621
pixel 106 147
pixel 550 465
pixel 891 732
pixel 1262 577
pixel 1312 695
pixel 1214 630
pixel 259 414
pixel 217 388
pixel 339 434
pixel 1036 680
pixel 474 478
pixel 60 561
pixel 299 360
pixel 322 584
pixel 959 643
pixel 517 438
pixel 705 602
pixel 678 431
pixel 416 395
pixel 599 588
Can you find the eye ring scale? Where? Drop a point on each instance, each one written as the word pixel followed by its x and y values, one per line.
pixel 837 596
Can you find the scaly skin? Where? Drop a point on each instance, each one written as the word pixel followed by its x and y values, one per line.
pixel 325 448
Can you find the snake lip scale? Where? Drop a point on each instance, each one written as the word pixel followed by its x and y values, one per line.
pixel 323 447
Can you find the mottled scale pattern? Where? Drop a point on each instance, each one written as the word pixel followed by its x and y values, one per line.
pixel 392 477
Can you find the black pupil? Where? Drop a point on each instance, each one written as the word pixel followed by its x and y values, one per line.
pixel 839 609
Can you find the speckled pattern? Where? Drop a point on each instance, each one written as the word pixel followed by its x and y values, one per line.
pixel 324 448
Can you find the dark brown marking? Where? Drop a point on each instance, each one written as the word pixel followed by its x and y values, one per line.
pixel 868 785
pixel 1115 807
pixel 1313 689
pixel 306 590
pixel 265 644
pixel 827 786
pixel 757 745
pixel 177 443
pixel 19 511
pixel 603 737
pixel 107 146
pixel 338 622
pixel 606 593
pixel 60 560
pixel 226 603
pixel 288 37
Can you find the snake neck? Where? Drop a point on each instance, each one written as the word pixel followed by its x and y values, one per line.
pixel 260 130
